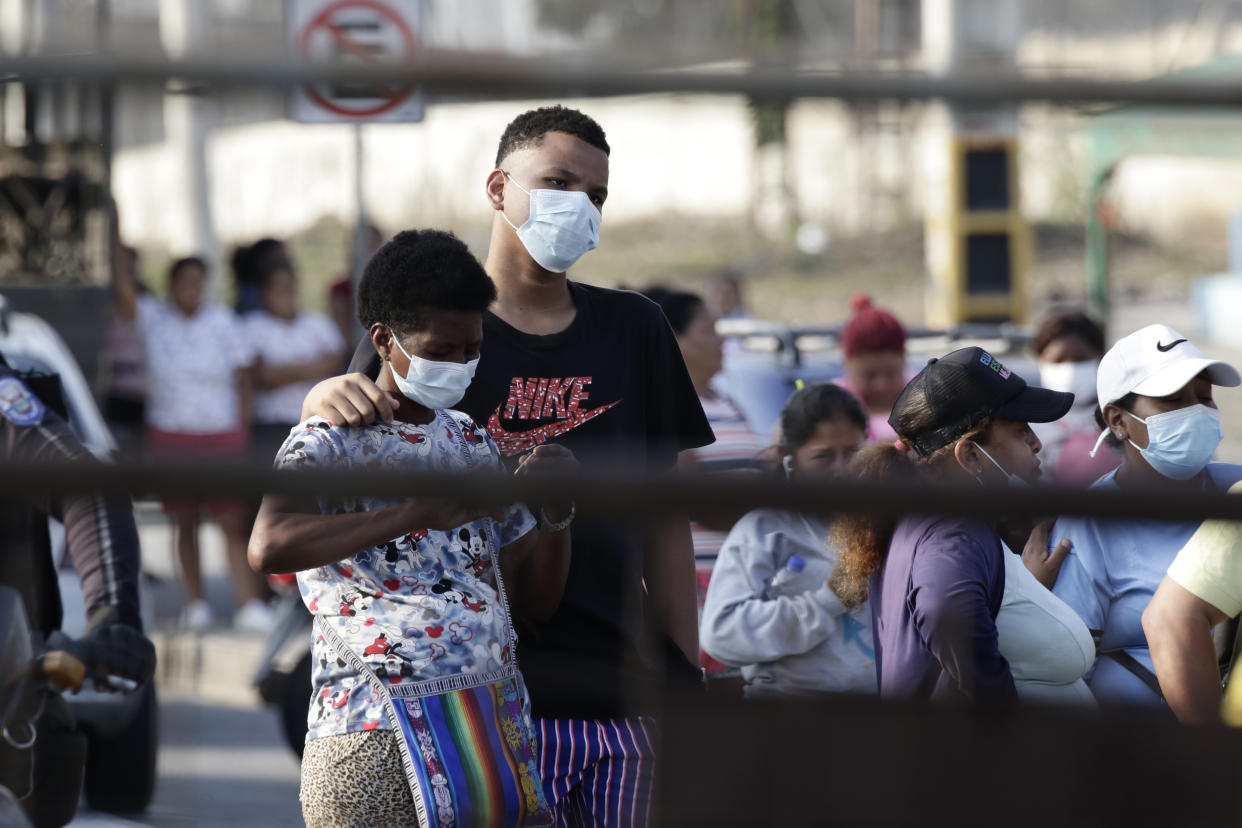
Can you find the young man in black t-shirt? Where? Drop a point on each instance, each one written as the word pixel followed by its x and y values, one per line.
pixel 599 372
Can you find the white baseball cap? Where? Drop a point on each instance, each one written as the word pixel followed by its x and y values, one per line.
pixel 1156 361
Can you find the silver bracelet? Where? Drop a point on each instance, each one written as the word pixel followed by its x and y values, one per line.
pixel 548 526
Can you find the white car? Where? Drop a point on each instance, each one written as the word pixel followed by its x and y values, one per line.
pixel 121 729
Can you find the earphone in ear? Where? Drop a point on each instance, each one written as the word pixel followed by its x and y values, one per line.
pixel 787 464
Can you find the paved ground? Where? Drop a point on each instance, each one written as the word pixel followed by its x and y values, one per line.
pixel 219 765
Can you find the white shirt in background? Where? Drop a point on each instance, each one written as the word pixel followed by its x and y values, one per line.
pixel 800 640
pixel 192 364
pixel 279 342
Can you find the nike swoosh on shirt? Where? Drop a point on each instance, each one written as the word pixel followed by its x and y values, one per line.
pixel 1162 348
pixel 517 442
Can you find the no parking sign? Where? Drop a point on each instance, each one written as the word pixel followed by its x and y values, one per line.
pixel 352 33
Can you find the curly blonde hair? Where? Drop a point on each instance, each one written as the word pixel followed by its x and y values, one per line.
pixel 863 539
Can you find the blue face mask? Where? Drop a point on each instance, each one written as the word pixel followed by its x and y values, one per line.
pixel 1181 443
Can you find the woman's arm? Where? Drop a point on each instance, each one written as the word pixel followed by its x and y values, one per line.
pixel 668 572
pixel 951 592
pixel 276 376
pixel 535 568
pixel 290 536
pixel 245 396
pixel 539 561
pixel 1178 625
pixel 124 288
pixel 742 626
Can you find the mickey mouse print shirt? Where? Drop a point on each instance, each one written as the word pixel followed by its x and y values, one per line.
pixel 421 606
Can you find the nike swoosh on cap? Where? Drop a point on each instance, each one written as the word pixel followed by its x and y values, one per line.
pixel 1162 348
pixel 517 442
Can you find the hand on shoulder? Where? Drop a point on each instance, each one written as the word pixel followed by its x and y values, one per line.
pixel 350 399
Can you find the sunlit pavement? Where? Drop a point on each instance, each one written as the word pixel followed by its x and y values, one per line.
pixel 218 766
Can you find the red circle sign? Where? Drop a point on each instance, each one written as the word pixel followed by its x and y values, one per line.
pixel 325 21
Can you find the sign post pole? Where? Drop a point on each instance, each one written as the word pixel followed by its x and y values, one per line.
pixel 359 251
pixel 352 33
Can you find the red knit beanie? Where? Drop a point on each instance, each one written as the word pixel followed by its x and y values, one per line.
pixel 871 329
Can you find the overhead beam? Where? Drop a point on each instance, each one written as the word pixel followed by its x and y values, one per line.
pixel 490 76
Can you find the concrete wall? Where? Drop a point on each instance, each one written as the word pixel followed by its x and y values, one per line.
pixel 674 155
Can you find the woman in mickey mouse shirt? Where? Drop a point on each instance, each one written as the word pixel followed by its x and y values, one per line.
pixel 405 592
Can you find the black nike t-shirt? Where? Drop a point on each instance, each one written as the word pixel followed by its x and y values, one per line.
pixel 612 388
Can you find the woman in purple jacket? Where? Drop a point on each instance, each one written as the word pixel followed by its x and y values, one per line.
pixel 936 583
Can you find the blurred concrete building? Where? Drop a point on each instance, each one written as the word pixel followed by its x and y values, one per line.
pixel 841 168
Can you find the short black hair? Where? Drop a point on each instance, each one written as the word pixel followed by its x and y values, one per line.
pixel 253 264
pixel 811 405
pixel 420 271
pixel 179 266
pixel 528 129
pixel 679 306
pixel 1068 323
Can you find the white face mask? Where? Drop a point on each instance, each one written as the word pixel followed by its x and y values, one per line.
pixel 431 383
pixel 1013 480
pixel 1078 378
pixel 563 225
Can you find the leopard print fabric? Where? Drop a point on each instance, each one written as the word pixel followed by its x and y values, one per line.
pixel 356 780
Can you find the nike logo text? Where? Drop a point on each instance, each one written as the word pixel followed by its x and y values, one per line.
pixel 1163 348
pixel 539 398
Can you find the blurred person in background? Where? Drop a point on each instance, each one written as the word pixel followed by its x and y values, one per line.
pixel 341 292
pixel 727 299
pixel 1155 389
pixel 937 584
pixel 789 633
pixel 1069 345
pixel 874 344
pixel 293 350
pixel 341 309
pixel 124 362
pixel 736 448
pixel 199 390
pixel 250 264
pixel 1203 588
pixel 598 371
pixel 728 302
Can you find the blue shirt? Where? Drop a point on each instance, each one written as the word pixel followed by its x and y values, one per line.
pixel 1109 577
pixel 933 606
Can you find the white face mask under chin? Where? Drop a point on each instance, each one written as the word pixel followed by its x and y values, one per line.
pixel 1013 481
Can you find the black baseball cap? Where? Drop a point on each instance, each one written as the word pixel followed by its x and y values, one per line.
pixel 955 393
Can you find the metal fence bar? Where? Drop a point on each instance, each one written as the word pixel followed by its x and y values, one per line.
pixel 621 493
pixel 455 73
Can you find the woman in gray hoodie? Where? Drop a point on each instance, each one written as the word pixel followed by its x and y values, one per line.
pixel 769 609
